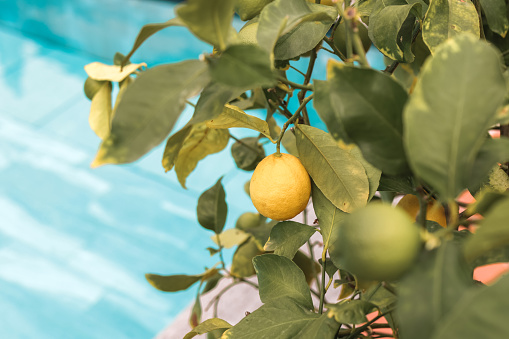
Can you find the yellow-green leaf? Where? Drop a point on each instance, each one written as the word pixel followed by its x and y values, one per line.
pixel 100 71
pixel 208 326
pixel 100 111
pixel 229 238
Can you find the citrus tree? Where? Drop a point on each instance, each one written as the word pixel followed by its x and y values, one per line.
pixel 425 127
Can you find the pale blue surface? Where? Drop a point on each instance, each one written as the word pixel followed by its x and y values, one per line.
pixel 75 243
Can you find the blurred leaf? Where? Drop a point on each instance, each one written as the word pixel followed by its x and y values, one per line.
pixel 330 268
pixel 287 237
pixel 495 11
pixel 446 19
pixel 402 184
pixel 211 283
pixel 249 220
pixel 496 255
pixel 209 20
pixel 340 177
pixel 248 9
pixel 195 317
pixel 242 265
pixel 243 67
pixel 290 143
pixel 173 147
pixel 100 111
pixel 447 116
pixel 279 278
pixel 100 71
pixel 350 311
pixel 91 87
pixel 147 31
pixel 310 267
pixel 200 142
pixel 179 282
pixel 261 233
pixel 282 318
pixel 207 326
pixel 492 233
pixel 354 103
pixel 212 102
pixel 247 153
pixel 492 152
pixel 372 172
pixel 274 129
pixel 306 35
pixel 122 87
pixel 385 301
pixel 485 201
pixel 329 216
pixel 390 29
pixel 216 334
pixel 212 208
pixel 323 105
pixel 231 237
pixel 481 313
pixel 324 327
pixel 430 291
pixel 148 110
pixel 235 117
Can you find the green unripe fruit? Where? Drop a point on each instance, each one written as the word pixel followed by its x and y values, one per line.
pixel 248 9
pixel 249 220
pixel 91 87
pixel 247 34
pixel 340 37
pixel 378 242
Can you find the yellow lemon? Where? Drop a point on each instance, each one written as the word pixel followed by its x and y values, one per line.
pixel 435 211
pixel 280 187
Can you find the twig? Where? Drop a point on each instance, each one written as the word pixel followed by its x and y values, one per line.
pixel 294 117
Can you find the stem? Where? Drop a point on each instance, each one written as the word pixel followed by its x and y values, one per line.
pixel 294 117
pixel 335 49
pixel 362 328
pixel 307 79
pixel 249 283
pixel 326 49
pixel 221 252
pixel 322 290
pixel 453 216
pixel 190 103
pixel 294 84
pixel 297 70
pixel 218 296
pixel 352 23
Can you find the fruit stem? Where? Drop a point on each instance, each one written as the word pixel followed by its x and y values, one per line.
pixel 293 118
pixel 351 22
pixel 335 49
pixel 322 289
pixel 294 84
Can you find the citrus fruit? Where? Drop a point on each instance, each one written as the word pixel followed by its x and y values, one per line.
pixel 247 34
pixel 248 9
pixel 377 242
pixel 435 211
pixel 280 187
pixel 91 87
pixel 249 220
pixel 340 37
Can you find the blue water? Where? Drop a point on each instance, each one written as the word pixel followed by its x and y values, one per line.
pixel 75 243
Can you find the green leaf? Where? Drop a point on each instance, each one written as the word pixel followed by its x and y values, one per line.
pixel 497 255
pixel 261 233
pixel 283 319
pixel 431 290
pixel 324 327
pixel 100 111
pixel 329 216
pixel 287 237
pixel 173 147
pixel 446 19
pixel 281 17
pixel 326 111
pixel 243 67
pixel 91 87
pixel 372 172
pixel 102 72
pixel 350 311
pixel 212 282
pixel 196 312
pixel 147 31
pixel 390 29
pixel 340 177
pixel 207 326
pixel 448 115
pixel 492 152
pixel 290 143
pixel 148 110
pixel 248 9
pixel 306 36
pixel 401 184
pixel 209 20
pixel 280 278
pixel 200 142
pixel 384 300
pixel 353 103
pixel 232 116
pixel 247 153
pixel 481 313
pixel 492 233
pixel 179 282
pixel 212 102
pixel 242 265
pixel 495 11
pixel 212 208
pixel 229 238
pixel 310 267
pixel 330 268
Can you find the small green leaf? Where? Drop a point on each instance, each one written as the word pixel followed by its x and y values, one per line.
pixel 212 208
pixel 329 216
pixel 229 238
pixel 340 177
pixel 350 311
pixel 282 318
pixel 200 142
pixel 287 237
pixel 242 265
pixel 446 19
pixel 247 153
pixel 100 111
pixel 209 20
pixel 207 326
pixel 146 32
pixel 211 283
pixel 330 268
pixel 173 147
pixel 196 311
pixel 481 313
pixel 179 282
pixel 310 267
pixel 243 67
pixel 91 87
pixel 447 116
pixel 280 278
pixel 149 108
pixel 233 116
pixel 102 72
pixel 212 102
pixel 321 328
pixel 496 15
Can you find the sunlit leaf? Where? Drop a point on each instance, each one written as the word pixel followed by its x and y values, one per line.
pixel 207 326
pixel 148 110
pixel 340 177
pixel 173 147
pixel 372 172
pixel 446 19
pixel 242 264
pixel 280 278
pixel 231 237
pixel 448 114
pixel 212 208
pixel 287 237
pixel 101 111
pixel 178 282
pixel 212 102
pixel 100 71
pixel 91 87
pixel 329 216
